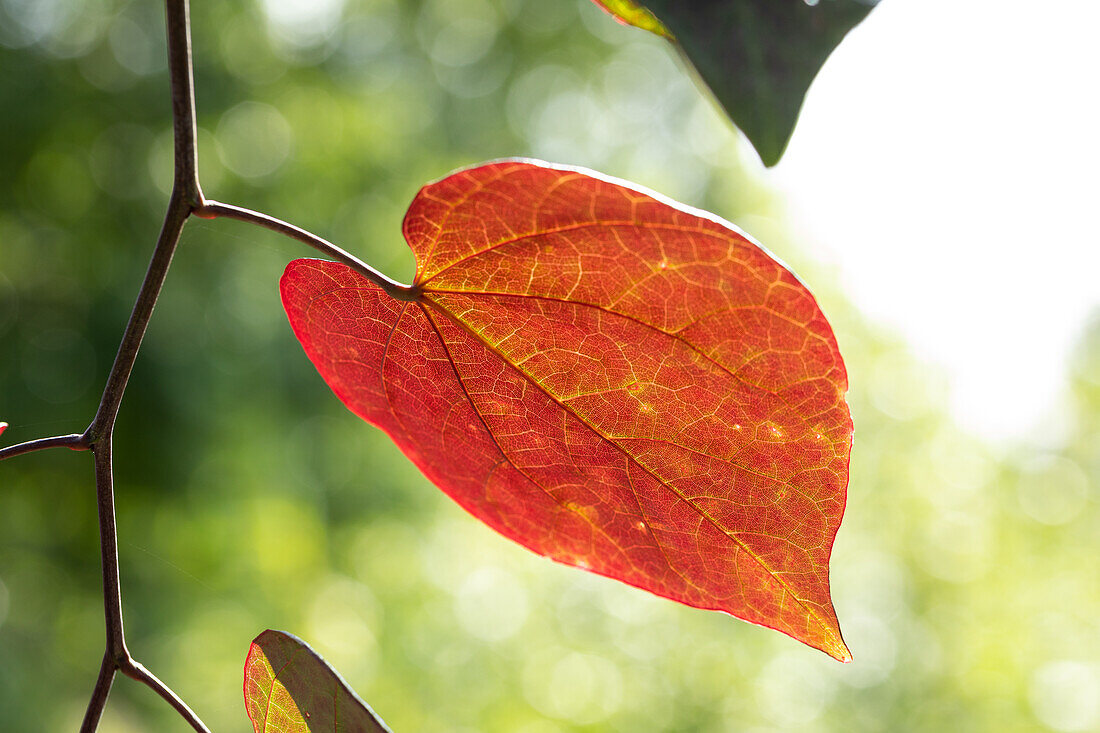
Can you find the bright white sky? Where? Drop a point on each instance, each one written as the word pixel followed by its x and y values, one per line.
pixel 948 162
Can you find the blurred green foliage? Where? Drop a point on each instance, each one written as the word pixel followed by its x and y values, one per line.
pixel 965 576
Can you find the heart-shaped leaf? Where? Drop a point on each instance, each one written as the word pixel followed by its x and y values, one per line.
pixel 757 56
pixel 610 379
pixel 289 688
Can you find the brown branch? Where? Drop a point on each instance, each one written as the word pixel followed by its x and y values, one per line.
pixel 117 657
pixel 186 199
pixel 99 696
pixel 182 80
pixel 135 670
pixel 108 550
pixel 115 652
pixel 186 196
pixel 174 219
pixel 74 441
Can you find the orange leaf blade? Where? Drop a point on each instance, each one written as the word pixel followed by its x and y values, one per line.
pixel 610 379
pixel 289 688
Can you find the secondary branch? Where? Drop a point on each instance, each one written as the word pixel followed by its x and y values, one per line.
pixel 74 441
pixel 135 670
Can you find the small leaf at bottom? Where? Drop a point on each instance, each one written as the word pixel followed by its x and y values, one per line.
pixel 289 688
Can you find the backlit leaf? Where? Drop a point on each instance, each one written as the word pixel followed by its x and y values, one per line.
pixel 631 13
pixel 610 379
pixel 289 688
pixel 757 56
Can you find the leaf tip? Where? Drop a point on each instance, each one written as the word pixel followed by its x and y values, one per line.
pixel 836 648
pixel 3 427
pixel 769 142
pixel 770 158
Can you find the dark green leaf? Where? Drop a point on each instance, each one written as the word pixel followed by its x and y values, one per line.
pixel 757 56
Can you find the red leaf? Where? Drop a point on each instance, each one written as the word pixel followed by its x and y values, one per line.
pixel 3 427
pixel 610 379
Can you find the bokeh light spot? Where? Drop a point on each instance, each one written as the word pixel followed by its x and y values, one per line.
pixel 254 139
pixel 1065 695
pixel 491 604
pixel 1052 489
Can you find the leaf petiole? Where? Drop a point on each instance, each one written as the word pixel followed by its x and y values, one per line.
pixel 215 210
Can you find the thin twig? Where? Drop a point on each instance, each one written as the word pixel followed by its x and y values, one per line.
pixel 74 441
pixel 174 219
pixel 135 670
pixel 99 696
pixel 215 210
pixel 115 652
pixel 182 79
pixel 186 195
pixel 186 199
pixel 108 550
pixel 116 656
